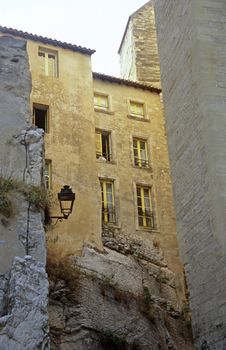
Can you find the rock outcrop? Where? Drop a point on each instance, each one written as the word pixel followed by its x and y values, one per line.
pixel 25 323
pixel 109 300
pixel 23 281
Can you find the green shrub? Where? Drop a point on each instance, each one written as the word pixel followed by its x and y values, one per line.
pixel 37 196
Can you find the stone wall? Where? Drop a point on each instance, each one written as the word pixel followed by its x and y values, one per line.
pixel 138 50
pixel 191 38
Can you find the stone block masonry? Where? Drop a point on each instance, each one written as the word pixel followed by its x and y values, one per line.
pixel 191 38
pixel 138 51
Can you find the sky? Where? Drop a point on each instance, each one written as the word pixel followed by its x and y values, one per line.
pixel 95 24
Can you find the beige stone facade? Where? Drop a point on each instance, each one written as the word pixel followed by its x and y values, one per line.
pixel 138 49
pixel 82 108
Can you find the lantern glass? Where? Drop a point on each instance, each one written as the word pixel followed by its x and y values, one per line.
pixel 66 198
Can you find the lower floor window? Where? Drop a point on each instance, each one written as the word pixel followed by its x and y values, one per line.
pixel 48 173
pixel 144 207
pixel 108 205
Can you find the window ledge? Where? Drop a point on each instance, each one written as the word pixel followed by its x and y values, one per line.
pixel 102 161
pixel 142 119
pixel 104 111
pixel 147 229
pixel 116 226
pixel 49 76
pixel 148 168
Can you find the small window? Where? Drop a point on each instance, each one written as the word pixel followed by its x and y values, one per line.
pixel 144 207
pixel 103 145
pixel 41 117
pixel 48 60
pixel 48 173
pixel 108 205
pixel 101 102
pixel 140 153
pixel 136 109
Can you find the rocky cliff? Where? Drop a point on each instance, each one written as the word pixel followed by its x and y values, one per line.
pixel 121 298
pixel 23 281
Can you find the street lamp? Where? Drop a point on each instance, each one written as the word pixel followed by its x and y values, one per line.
pixel 66 199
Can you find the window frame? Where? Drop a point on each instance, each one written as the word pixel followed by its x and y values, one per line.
pixel 46 52
pixel 137 115
pixel 145 217
pixel 142 163
pixel 98 108
pixel 104 202
pixel 99 133
pixel 42 107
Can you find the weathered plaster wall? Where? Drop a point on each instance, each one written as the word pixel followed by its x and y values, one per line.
pixel 122 170
pixel 191 37
pixel 127 55
pixel 70 143
pixel 139 52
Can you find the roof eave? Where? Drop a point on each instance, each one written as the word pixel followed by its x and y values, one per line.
pixel 44 40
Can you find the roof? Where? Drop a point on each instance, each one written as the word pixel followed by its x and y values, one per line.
pixel 127 24
pixel 121 81
pixel 45 40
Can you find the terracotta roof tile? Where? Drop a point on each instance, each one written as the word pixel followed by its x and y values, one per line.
pixel 45 40
pixel 121 81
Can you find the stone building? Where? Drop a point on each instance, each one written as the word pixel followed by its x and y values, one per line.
pixel 191 41
pixel 138 49
pixel 105 137
pixel 191 37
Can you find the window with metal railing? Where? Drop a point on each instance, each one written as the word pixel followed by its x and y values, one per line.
pixel 140 153
pixel 144 207
pixel 108 202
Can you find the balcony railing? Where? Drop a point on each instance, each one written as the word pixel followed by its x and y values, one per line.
pixel 146 219
pixel 143 163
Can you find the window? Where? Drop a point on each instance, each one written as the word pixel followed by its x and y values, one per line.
pixel 41 116
pixel 103 145
pixel 140 153
pixel 136 109
pixel 101 102
pixel 144 207
pixel 48 174
pixel 108 207
pixel 48 62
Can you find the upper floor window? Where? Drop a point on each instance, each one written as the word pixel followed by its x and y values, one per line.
pixel 101 101
pixel 144 207
pixel 108 202
pixel 48 62
pixel 140 153
pixel 103 145
pixel 136 109
pixel 48 173
pixel 41 116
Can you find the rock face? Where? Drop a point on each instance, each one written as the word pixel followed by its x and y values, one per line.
pixel 23 281
pixel 25 326
pixel 111 301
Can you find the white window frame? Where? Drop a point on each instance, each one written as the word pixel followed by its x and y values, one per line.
pixel 46 52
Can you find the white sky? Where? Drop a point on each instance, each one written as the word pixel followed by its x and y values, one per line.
pixel 96 24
